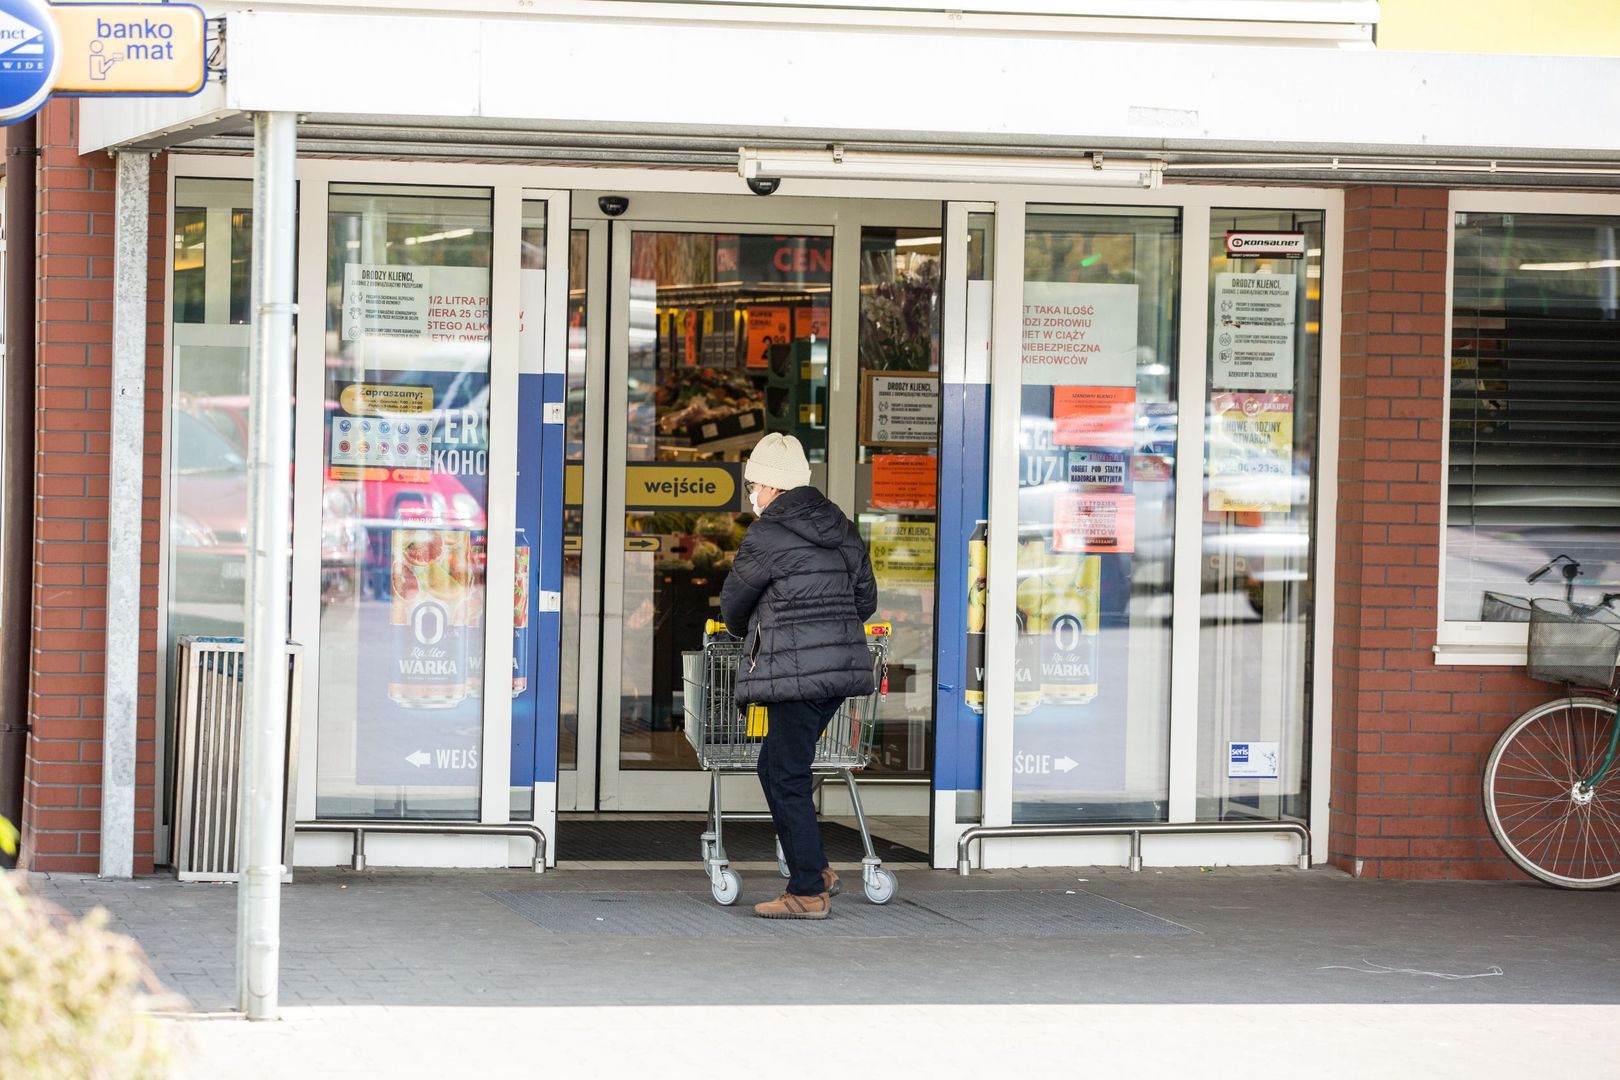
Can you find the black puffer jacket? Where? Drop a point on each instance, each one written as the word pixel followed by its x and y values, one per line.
pixel 799 592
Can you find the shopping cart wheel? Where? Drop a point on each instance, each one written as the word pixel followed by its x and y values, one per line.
pixel 881 886
pixel 726 886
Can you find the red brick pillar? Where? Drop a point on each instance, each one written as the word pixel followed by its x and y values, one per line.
pixel 1409 737
pixel 62 795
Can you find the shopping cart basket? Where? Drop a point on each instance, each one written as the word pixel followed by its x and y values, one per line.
pixel 728 742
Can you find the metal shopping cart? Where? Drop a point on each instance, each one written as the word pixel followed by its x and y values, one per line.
pixel 727 742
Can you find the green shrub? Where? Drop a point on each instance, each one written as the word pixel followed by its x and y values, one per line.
pixel 73 996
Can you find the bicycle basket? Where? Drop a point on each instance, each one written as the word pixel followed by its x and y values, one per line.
pixel 1502 607
pixel 1573 643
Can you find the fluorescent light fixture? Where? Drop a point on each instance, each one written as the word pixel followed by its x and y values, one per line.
pixel 836 163
pixel 1595 264
pixel 448 234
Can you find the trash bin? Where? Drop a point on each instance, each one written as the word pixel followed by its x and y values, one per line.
pixel 208 740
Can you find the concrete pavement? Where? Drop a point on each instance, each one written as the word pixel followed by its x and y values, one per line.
pixel 1159 973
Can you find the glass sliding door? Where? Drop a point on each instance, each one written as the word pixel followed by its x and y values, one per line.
pixel 725 337
pixel 897 470
pixel 1097 444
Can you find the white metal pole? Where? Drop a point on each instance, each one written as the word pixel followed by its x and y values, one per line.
pixel 127 462
pixel 264 719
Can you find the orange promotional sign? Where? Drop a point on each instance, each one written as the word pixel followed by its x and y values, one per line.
pixel 767 326
pixel 1093 415
pixel 904 482
pixel 1100 522
pixel 813 322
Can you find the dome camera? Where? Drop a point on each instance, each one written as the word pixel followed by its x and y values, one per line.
pixel 764 185
pixel 613 205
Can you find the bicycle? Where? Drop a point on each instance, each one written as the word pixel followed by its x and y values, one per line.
pixel 1551 789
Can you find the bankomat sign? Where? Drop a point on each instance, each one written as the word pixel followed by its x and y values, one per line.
pixel 134 50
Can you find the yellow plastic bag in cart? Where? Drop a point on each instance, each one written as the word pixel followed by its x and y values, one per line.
pixel 757 722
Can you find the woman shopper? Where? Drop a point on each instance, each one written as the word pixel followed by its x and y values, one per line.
pixel 799 591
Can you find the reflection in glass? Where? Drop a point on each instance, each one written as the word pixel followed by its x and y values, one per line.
pixel 1265 342
pixel 1097 442
pixel 728 340
pixel 896 475
pixel 403 509
pixel 207 404
pixel 190 259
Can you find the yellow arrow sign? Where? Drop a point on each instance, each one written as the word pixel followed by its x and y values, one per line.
pixel 641 543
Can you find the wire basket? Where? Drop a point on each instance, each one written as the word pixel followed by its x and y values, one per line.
pixel 1503 607
pixel 1573 644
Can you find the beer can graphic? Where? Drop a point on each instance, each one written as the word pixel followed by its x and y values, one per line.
pixel 520 615
pixel 1069 650
pixel 978 561
pixel 1032 624
pixel 479 544
pixel 428 583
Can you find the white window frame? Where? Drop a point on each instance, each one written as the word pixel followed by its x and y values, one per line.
pixel 1463 642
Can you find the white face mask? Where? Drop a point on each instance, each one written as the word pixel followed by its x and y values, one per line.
pixel 753 500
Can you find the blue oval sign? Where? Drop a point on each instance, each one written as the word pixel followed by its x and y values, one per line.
pixel 30 50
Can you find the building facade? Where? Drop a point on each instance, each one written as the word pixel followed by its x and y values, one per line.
pixel 1196 428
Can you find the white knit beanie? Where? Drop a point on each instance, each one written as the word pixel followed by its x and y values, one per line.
pixel 778 461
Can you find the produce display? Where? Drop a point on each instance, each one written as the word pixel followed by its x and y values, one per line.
pixel 693 396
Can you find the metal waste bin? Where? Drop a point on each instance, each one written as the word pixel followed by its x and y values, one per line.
pixel 210 691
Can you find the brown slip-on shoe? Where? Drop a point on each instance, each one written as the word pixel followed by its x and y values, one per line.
pixel 830 883
pixel 788 906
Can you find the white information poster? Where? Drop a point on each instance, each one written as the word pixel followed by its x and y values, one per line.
pixel 415 303
pixel 902 409
pixel 1253 343
pixel 1252 761
pixel 1079 334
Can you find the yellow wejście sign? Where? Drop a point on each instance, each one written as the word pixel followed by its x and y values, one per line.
pixel 147 49
pixel 697 486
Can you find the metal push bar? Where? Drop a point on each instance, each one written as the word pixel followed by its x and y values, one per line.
pixel 359 829
pixel 992 832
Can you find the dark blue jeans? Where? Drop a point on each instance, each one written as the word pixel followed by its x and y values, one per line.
pixel 784 773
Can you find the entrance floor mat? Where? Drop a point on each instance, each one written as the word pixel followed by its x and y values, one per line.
pixel 953 914
pixel 642 840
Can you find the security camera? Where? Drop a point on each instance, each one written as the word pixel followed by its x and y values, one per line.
pixel 613 205
pixel 764 185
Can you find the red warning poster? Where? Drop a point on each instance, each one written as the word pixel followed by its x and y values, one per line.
pixel 1083 521
pixel 1094 415
pixel 904 481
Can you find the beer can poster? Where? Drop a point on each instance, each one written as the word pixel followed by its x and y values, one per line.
pixel 405 655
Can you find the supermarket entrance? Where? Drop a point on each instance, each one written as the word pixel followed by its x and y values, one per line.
pixel 698 324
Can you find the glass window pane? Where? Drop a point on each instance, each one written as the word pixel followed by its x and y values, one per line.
pixel 1097 442
pixel 972 441
pixel 896 475
pixel 1535 385
pixel 574 486
pixel 406 454
pixel 1264 354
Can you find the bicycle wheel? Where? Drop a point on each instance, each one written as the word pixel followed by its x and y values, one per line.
pixel 1540 810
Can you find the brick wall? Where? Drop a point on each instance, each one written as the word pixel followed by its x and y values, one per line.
pixel 1409 737
pixel 62 796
